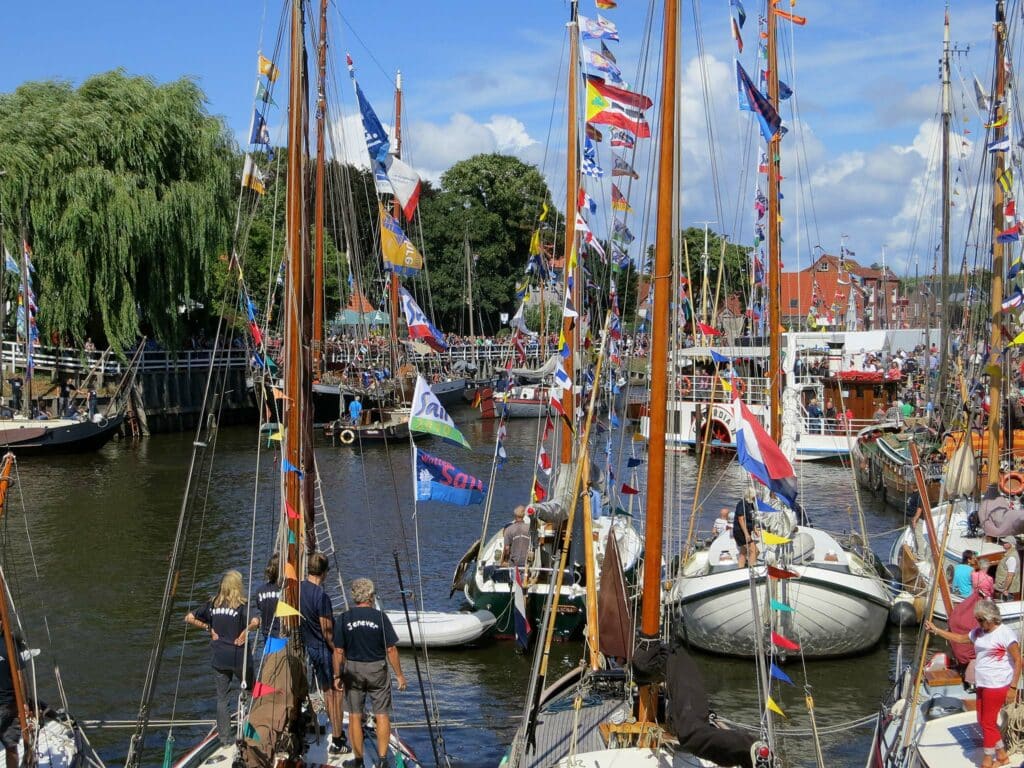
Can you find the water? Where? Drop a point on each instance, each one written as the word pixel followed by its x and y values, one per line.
pixel 102 525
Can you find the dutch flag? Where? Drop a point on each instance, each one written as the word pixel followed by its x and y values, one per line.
pixel 519 612
pixel 761 457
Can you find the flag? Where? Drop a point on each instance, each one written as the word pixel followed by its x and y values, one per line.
pixel 397 250
pixel 539 494
pixel 10 264
pixel 522 625
pixel 600 62
pixel 621 232
pixel 377 143
pixel 569 310
pixel 283 610
pixel 619 201
pixel 980 95
pixel 775 605
pixel 275 644
pixel 998 123
pixel 428 415
pixel 420 327
pixel 623 138
pixel 784 642
pixel 1013 301
pixel 266 67
pixel 557 407
pixel 634 462
pixel 781 573
pixel 263 94
pixel 741 14
pixel 1006 180
pixel 629 490
pixel 544 461
pixel 736 35
pixel 252 176
pixel 999 145
pixel 798 20
pixel 770 703
pixel 549 427
pixel 773 539
pixel 1009 235
pixel 779 675
pixel 621 168
pixel 258 131
pixel 440 480
pixel 397 177
pixel 708 330
pixel 261 689
pixel 608 105
pixel 720 358
pixel 751 99
pixel 761 457
pixel 607 53
pixel 543 211
pixel 583 200
pixel 784 91
pixel 1015 266
pixel 287 466
pixel 597 29
pixel 604 5
pixel 562 378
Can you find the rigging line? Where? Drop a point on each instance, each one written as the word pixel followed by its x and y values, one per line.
pixel 698 30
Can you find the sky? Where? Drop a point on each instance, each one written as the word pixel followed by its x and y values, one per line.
pixel 859 159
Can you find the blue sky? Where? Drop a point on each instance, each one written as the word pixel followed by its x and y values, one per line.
pixel 481 76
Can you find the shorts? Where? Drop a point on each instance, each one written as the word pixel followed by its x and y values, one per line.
pixel 10 727
pixel 739 538
pixel 322 669
pixel 367 677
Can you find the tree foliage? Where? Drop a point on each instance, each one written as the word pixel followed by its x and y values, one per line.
pixel 125 190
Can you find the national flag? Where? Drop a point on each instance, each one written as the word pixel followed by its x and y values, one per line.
pixel 999 145
pixel 544 461
pixel 623 138
pixel 607 52
pixel 1005 180
pixel 597 29
pixel 539 494
pixel 619 201
pixel 604 5
pixel 397 250
pixel 741 14
pixel 428 415
pixel 266 67
pixel 258 131
pixel 608 105
pixel 522 625
pixel 420 327
pixel 252 176
pixel 1013 301
pixel 583 200
pixel 708 330
pixel 1009 235
pixel 751 99
pixel 761 457
pixel 598 61
pixel 440 480
pixel 621 168
pixel 557 407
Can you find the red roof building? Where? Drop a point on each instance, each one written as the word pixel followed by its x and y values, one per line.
pixel 823 290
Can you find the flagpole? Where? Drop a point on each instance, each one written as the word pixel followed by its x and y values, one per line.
pixel 396 208
pixel 571 283
pixel 774 244
pixel 318 226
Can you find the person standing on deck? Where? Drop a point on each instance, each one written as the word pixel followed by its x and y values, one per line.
pixel 962 574
pixel 318 637
pixel 517 540
pixel 367 643
pixel 355 408
pixel 92 403
pixel 224 617
pixel 1007 584
pixel 743 529
pixel 65 398
pixel 267 597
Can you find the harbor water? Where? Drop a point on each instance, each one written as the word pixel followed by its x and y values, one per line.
pixel 101 527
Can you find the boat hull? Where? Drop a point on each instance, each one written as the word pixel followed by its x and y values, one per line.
pixel 434 629
pixel 39 437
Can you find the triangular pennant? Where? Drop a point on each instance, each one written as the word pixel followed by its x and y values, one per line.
pixel 778 674
pixel 775 707
pixel 289 572
pixel 629 490
pixel 781 573
pixel 291 538
pixel 250 733
pixel 772 539
pixel 278 436
pixel 262 689
pixel 293 515
pixel 784 642
pixel 634 462
pixel 284 610
pixel 777 606
pixel 287 466
pixel 275 644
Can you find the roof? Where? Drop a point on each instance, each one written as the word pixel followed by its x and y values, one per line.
pixel 357 303
pixel 801 290
pixel 829 263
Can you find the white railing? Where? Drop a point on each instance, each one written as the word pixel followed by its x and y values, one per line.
pixel 67 360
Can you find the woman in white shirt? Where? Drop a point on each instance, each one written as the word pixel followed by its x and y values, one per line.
pixel 996 672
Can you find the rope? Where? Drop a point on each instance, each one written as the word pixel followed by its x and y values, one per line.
pixel 1013 732
pixel 849 725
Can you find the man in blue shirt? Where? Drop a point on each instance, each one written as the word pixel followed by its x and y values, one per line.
pixel 355 408
pixel 318 637
pixel 962 574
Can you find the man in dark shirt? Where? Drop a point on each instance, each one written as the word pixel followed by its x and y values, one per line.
pixel 16 384
pixel 367 643
pixel 266 599
pixel 318 637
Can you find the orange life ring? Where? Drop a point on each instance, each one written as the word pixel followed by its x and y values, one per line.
pixel 1012 483
pixel 683 386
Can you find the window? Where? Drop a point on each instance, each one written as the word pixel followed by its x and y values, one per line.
pixel 794 303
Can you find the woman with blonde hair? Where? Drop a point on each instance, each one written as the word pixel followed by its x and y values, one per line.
pixel 225 618
pixel 996 673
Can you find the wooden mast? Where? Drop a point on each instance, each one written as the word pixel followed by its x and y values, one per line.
pixel 396 209
pixel 571 283
pixel 296 352
pixel 998 266
pixel 318 226
pixel 774 245
pixel 10 646
pixel 665 237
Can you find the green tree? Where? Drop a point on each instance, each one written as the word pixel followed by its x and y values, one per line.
pixel 124 188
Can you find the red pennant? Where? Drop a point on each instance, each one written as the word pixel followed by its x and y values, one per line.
pixel 290 510
pixel 629 490
pixel 257 337
pixel 781 573
pixel 539 494
pixel 1010 210
pixel 262 689
pixel 784 642
pixel 548 428
pixel 544 461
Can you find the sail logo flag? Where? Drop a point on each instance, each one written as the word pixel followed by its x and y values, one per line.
pixel 377 143
pixel 522 625
pixel 429 416
pixel 597 29
pixel 252 177
pixel 761 457
pixel 420 327
pixel 440 480
pixel 397 250
pixel 258 131
pixel 623 138
pixel 752 100
pixel 608 105
pixel 621 168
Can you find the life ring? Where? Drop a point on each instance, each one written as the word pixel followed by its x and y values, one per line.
pixel 683 386
pixel 739 387
pixel 347 436
pixel 1012 483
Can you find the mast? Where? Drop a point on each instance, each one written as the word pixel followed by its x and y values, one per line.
pixel 947 113
pixel 396 209
pixel 571 207
pixel 661 278
pixel 774 245
pixel 10 646
pixel 469 282
pixel 318 226
pixel 998 266
pixel 296 329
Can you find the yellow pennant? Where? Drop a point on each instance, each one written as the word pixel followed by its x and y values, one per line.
pixel 284 610
pixel 998 123
pixel 544 211
pixel 535 243
pixel 278 436
pixel 1018 339
pixel 772 539
pixel 266 67
pixel 726 386
pixel 772 706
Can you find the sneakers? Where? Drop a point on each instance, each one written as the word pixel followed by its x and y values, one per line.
pixel 354 762
pixel 339 746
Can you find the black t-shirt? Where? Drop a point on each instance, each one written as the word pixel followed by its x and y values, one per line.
pixel 314 604
pixel 745 510
pixel 266 602
pixel 364 634
pixel 6 680
pixel 228 623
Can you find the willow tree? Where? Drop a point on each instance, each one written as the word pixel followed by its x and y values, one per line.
pixel 124 189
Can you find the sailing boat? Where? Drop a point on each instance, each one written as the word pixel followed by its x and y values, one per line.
pixel 280 727
pixel 828 597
